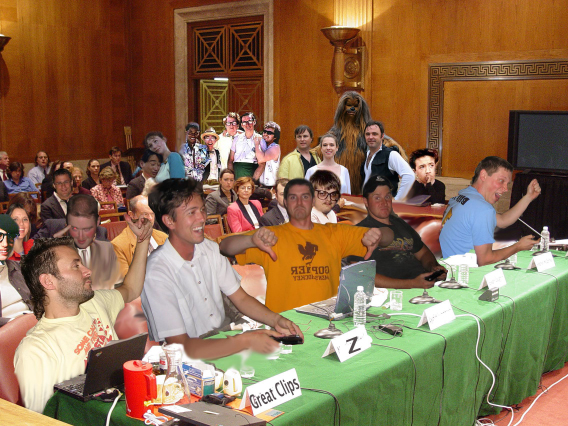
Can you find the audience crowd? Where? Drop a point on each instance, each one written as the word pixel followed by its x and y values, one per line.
pixel 76 281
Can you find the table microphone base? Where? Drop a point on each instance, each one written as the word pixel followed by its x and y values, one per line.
pixel 329 332
pixel 507 266
pixel 538 253
pixel 451 284
pixel 423 299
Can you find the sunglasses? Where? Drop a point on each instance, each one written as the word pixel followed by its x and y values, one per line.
pixel 268 132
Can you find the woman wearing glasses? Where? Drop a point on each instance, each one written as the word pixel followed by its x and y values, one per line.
pixel 328 146
pixel 244 214
pixel 268 152
pixel 326 186
pixel 423 162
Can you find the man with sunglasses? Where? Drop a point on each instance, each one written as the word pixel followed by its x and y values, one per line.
pixel 301 260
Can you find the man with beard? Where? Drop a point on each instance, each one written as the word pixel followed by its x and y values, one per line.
pixel 72 317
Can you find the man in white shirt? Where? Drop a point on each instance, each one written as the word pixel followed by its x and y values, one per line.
pixel 72 317
pixel 385 162
pixel 231 123
pixel 185 277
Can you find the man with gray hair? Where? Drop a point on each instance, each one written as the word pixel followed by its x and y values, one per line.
pixel 4 163
pixel 125 242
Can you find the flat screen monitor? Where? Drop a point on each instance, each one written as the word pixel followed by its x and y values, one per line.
pixel 538 141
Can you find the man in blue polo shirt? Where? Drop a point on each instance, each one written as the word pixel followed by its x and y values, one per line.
pixel 470 219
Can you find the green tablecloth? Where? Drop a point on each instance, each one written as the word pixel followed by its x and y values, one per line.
pixel 421 378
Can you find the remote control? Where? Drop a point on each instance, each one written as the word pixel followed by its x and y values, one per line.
pixel 289 340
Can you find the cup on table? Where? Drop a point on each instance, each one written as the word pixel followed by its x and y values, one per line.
pixel 396 300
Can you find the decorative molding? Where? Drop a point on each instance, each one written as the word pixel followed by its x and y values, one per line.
pixel 214 12
pixel 438 74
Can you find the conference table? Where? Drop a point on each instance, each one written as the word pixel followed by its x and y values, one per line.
pixel 422 377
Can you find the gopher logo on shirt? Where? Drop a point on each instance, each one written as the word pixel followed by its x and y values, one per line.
pixel 308 252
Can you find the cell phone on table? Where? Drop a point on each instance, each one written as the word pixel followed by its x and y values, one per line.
pixel 435 275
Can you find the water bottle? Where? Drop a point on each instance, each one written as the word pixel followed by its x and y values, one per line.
pixel 360 308
pixel 463 274
pixel 545 240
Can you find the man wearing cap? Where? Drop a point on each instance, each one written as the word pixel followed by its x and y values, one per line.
pixel 407 261
pixel 14 294
pixel 213 166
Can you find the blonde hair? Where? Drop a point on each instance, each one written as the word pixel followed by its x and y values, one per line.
pixel 107 173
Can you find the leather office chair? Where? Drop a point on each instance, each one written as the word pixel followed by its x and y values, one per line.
pixel 429 231
pixel 114 228
pixel 11 335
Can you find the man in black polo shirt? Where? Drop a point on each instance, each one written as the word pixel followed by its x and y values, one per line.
pixel 407 261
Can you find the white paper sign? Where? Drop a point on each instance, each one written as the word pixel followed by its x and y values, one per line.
pixel 493 280
pixel 272 392
pixel 542 262
pixel 438 315
pixel 349 344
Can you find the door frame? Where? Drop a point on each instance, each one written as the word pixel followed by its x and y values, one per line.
pixel 230 10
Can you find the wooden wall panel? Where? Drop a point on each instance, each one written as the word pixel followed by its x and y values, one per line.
pixel 476 117
pixel 65 78
pixel 409 34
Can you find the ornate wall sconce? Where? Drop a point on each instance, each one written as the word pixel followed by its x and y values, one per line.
pixel 4 41
pixel 347 69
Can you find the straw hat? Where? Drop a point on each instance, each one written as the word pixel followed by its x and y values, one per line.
pixel 209 132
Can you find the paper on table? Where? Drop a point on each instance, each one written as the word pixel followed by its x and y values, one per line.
pixel 469 259
pixel 379 297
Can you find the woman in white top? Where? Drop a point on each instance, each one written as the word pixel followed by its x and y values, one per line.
pixel 244 214
pixel 328 146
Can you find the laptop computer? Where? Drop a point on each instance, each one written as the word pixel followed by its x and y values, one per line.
pixel 205 414
pixel 104 368
pixel 341 306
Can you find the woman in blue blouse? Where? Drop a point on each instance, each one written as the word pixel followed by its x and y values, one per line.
pixel 16 181
pixel 172 167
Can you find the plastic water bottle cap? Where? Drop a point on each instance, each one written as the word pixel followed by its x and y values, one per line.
pixel 545 228
pixel 360 288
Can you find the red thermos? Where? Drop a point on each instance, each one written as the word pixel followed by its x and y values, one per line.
pixel 139 386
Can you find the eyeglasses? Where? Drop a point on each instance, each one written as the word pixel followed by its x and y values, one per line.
pixel 65 182
pixel 232 123
pixel 322 195
pixel 2 236
pixel 268 132
pixel 248 122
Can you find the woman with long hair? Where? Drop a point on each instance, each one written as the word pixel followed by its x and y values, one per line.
pixel 22 243
pixel 16 181
pixel 328 146
pixel 93 170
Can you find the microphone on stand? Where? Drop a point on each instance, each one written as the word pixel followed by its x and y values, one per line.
pixel 452 283
pixel 331 331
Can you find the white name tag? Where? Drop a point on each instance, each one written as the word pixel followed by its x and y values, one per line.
pixel 272 392
pixel 438 315
pixel 542 262
pixel 493 280
pixel 349 344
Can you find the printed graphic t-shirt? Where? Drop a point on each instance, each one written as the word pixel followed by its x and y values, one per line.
pixel 308 265
pixel 56 349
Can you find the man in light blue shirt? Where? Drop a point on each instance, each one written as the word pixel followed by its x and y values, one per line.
pixel 470 219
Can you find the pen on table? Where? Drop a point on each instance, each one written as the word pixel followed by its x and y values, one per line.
pixel 211 412
pixel 530 227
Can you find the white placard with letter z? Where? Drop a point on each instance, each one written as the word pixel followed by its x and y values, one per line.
pixel 438 315
pixel 272 392
pixel 349 344
pixel 493 280
pixel 542 262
